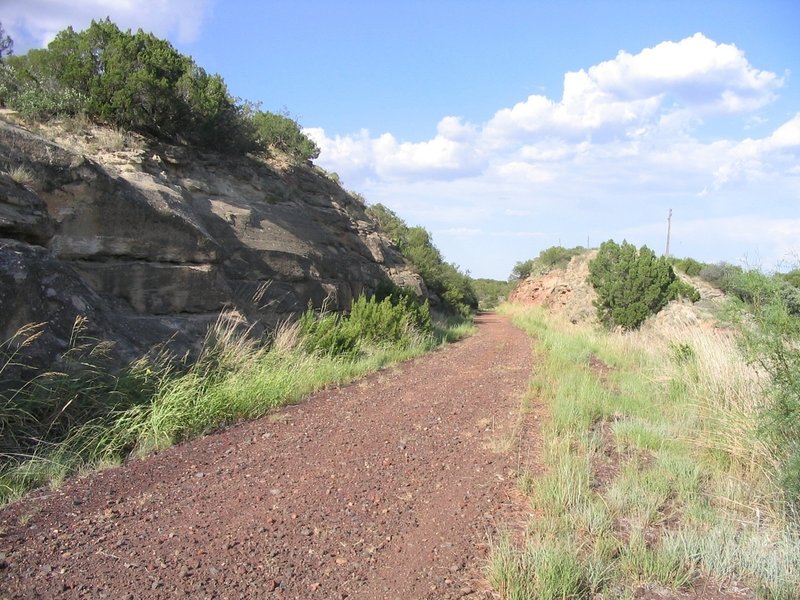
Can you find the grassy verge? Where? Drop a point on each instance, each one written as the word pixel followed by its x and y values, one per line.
pixel 656 477
pixel 83 418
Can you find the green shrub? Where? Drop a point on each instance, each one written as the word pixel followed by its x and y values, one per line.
pixel 554 257
pixel 771 332
pixel 558 257
pixel 37 103
pixel 792 277
pixel 721 275
pixel 682 289
pixel 284 133
pixel 490 292
pixel 631 285
pixel 453 287
pixel 523 269
pixel 134 81
pixel 390 321
pixel 689 266
pixel 327 333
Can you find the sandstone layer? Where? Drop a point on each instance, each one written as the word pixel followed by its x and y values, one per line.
pixel 147 243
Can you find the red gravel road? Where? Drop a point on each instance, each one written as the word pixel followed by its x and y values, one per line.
pixel 387 488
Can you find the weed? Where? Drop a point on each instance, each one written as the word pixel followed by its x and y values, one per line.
pixel 21 175
pixel 84 416
pixel 539 571
pixel 691 489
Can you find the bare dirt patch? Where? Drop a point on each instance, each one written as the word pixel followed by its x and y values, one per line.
pixel 387 488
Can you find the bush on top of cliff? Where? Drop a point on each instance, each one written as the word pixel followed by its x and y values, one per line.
pixel 283 132
pixel 554 257
pixel 453 287
pixel 141 83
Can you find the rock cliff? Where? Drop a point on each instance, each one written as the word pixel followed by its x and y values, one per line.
pixel 150 242
pixel 562 290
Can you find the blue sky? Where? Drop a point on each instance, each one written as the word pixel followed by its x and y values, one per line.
pixel 506 127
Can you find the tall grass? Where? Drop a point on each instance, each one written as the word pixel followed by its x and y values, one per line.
pixel 82 417
pixel 656 469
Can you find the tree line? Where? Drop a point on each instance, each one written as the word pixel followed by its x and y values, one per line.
pixel 139 82
pixel 453 288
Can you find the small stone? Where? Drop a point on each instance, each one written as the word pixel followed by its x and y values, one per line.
pixel 306 531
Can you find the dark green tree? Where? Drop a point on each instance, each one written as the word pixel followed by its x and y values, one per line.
pixel 633 284
pixel 284 133
pixel 522 270
pixel 6 43
pixel 444 279
pixel 490 292
pixel 135 81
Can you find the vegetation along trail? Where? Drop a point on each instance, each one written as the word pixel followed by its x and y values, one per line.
pixel 387 488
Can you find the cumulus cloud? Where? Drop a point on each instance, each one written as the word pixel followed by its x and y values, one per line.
pixel 697 71
pixel 615 98
pixel 755 158
pixel 34 23
pixel 450 153
pixel 634 105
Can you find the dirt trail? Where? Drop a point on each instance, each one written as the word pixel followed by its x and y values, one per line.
pixel 388 488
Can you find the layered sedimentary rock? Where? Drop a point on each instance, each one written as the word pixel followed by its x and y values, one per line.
pixel 147 242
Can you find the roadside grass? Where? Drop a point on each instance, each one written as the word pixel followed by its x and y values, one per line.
pixel 655 477
pixel 83 418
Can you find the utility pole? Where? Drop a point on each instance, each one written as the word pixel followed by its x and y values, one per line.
pixel 669 230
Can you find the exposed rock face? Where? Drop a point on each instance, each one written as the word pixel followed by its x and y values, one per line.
pixel 563 290
pixel 151 242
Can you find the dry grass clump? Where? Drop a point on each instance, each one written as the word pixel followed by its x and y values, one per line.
pixel 20 174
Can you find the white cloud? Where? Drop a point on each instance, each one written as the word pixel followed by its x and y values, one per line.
pixel 450 154
pixel 641 107
pixel 33 23
pixel 629 138
pixel 779 238
pixel 697 71
pixel 523 172
pixel 695 76
pixel 757 158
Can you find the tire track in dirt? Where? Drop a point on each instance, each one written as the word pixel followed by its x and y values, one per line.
pixel 386 488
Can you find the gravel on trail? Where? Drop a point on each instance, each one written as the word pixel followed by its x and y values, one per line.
pixel 390 487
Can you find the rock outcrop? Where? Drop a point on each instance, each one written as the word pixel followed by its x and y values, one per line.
pixel 149 242
pixel 568 291
pixel 562 290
